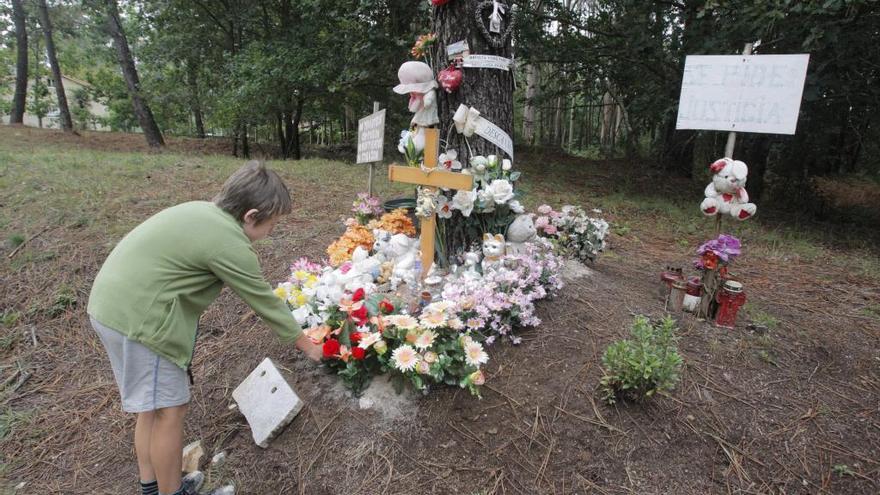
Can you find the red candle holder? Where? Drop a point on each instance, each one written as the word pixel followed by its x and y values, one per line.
pixel 730 298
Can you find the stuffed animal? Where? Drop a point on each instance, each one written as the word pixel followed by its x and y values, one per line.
pixel 521 232
pixel 382 245
pixel 405 252
pixel 471 259
pixel 727 193
pixel 493 250
pixel 417 79
pixel 365 264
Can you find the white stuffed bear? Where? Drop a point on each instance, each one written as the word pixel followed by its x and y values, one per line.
pixel 365 264
pixel 521 232
pixel 404 253
pixel 727 192
pixel 493 250
pixel 382 245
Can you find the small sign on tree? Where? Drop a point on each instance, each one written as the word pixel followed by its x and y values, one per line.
pixel 371 137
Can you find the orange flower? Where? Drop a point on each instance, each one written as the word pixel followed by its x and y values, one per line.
pixel 341 249
pixel 396 222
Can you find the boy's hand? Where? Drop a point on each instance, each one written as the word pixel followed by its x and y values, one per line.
pixel 312 350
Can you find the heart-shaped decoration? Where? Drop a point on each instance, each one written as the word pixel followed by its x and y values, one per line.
pixel 450 78
pixel 496 40
pixel 438 3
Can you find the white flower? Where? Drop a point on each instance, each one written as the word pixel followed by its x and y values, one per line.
pixel 405 322
pixel 506 165
pixel 487 199
pixel 474 354
pixel 404 137
pixel 405 358
pixel 501 191
pixel 463 201
pixel 444 207
pixel 301 314
pixel 425 340
pixel 433 319
pixel 449 160
pixel 368 339
pixel 493 161
pixel 516 207
pixel 456 324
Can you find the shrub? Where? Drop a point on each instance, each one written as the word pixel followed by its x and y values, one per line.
pixel 644 365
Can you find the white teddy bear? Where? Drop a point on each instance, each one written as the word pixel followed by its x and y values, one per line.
pixel 726 194
pixel 404 251
pixel 521 232
pixel 382 245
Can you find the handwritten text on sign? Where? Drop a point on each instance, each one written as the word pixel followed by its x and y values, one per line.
pixel 371 137
pixel 487 62
pixel 743 93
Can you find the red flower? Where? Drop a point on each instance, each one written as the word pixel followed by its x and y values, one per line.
pixel 359 315
pixel 386 307
pixel 358 295
pixel 358 353
pixel 355 337
pixel 331 348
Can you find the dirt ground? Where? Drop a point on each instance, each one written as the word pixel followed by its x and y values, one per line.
pixel 793 409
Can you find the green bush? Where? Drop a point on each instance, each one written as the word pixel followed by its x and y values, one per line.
pixel 644 365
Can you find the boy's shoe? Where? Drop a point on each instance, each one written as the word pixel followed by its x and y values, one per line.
pixel 223 490
pixel 192 483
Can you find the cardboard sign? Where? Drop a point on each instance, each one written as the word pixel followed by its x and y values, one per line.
pixel 458 50
pixel 371 137
pixel 742 93
pixel 487 62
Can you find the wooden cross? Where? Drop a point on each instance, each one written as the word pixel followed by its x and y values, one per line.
pixel 430 179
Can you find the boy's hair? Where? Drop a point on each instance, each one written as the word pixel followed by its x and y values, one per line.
pixel 254 186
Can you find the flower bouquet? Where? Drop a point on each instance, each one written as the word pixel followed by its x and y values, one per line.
pixel 366 208
pixel 572 231
pixel 716 255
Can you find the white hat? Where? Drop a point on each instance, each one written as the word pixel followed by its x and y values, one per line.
pixel 415 77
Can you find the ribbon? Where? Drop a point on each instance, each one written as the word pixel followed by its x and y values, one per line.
pixel 495 18
pixel 468 122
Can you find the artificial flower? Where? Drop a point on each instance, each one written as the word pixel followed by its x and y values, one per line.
pixel 449 160
pixel 395 222
pixel 425 340
pixel 318 333
pixel 501 191
pixel 344 353
pixel 404 358
pixel 516 207
pixel 433 319
pixel 463 201
pixel 331 348
pixel 369 339
pixel 423 368
pixel 380 347
pixel 430 357
pixel 474 354
pixel 444 207
pixel 506 165
pixel 358 353
pixel 358 295
pixel 405 322
pixel 477 378
pixel 386 307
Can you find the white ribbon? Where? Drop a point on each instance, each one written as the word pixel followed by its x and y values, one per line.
pixel 495 18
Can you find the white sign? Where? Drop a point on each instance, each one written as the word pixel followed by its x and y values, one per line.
pixel 458 49
pixel 742 93
pixel 486 62
pixel 371 137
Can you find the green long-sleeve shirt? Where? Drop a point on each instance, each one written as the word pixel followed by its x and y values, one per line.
pixel 161 276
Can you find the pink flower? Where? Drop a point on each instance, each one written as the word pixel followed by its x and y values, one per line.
pixel 544 209
pixel 550 229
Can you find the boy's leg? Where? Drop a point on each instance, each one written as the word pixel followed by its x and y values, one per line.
pixel 166 447
pixel 143 429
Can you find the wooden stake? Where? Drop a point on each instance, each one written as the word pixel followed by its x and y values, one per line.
pixel 370 180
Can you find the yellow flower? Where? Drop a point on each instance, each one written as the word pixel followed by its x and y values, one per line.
pixel 281 292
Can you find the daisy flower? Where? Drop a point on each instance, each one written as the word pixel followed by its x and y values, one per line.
pixel 402 321
pixel 404 358
pixel 433 319
pixel 474 354
pixel 368 339
pixel 425 339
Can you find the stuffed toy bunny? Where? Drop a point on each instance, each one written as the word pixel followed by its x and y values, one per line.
pixel 727 192
pixel 520 232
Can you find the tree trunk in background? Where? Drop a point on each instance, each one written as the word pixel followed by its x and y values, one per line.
pixel 126 62
pixel 571 125
pixel 195 102
pixel 557 122
pixel 490 91
pixel 63 109
pixel 21 63
pixel 532 80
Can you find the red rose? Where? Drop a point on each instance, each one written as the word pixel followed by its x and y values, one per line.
pixel 386 307
pixel 358 353
pixel 331 348
pixel 360 314
pixel 358 295
pixel 355 337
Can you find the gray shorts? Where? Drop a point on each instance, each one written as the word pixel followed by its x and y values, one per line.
pixel 146 380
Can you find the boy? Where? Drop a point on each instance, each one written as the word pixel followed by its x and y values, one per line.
pixel 147 298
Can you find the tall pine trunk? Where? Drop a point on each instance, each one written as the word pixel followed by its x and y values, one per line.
pixel 21 63
pixel 532 81
pixel 490 91
pixel 66 121
pixel 129 72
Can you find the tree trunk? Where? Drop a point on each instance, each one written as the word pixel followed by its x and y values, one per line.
pixel 129 72
pixel 489 91
pixel 532 81
pixel 571 125
pixel 194 101
pixel 294 132
pixel 21 63
pixel 66 121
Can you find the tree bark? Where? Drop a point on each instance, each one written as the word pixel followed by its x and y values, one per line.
pixel 490 91
pixel 21 63
pixel 63 109
pixel 129 72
